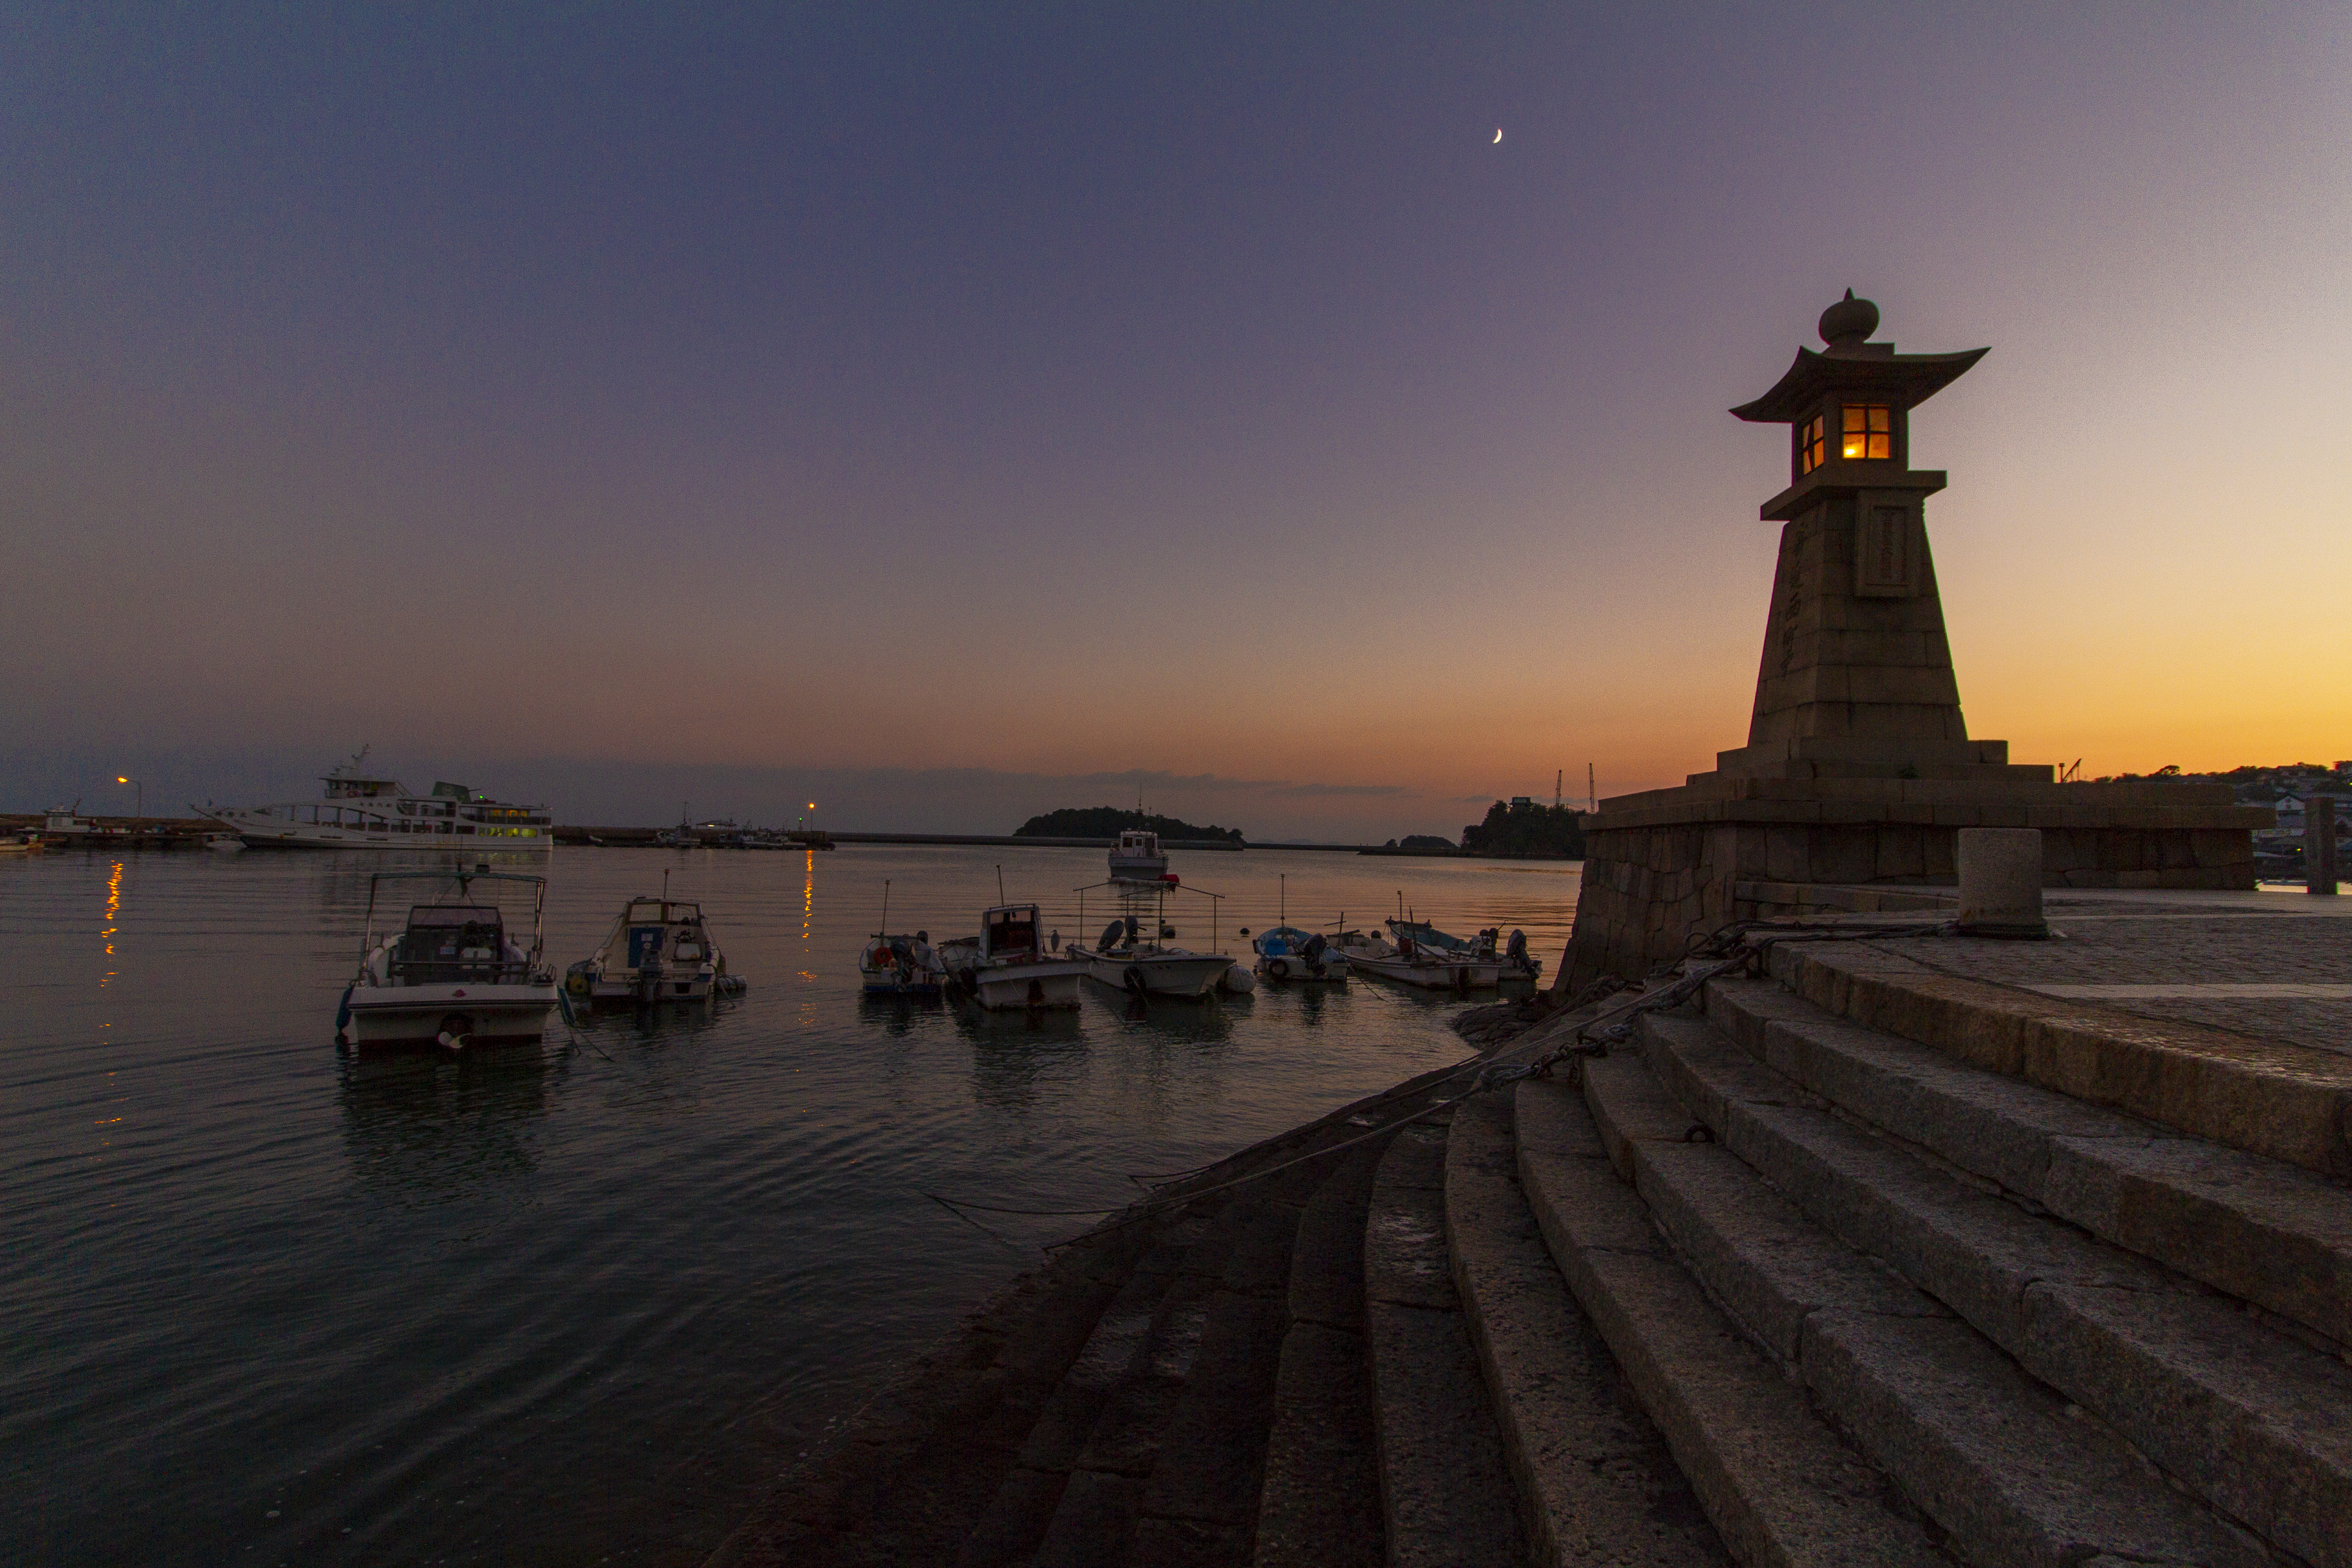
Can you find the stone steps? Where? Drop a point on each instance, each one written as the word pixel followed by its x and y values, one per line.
pixel 1319 1461
pixel 1779 1484
pixel 1446 1497
pixel 2242 1415
pixel 1993 1458
pixel 2288 1101
pixel 1009 1531
pixel 1199 1504
pixel 2270 1233
pixel 1094 1521
pixel 1691 1302
pixel 1595 1481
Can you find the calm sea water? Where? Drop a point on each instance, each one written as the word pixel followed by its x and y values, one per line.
pixel 573 1303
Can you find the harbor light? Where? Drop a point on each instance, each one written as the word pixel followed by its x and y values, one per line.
pixel 139 811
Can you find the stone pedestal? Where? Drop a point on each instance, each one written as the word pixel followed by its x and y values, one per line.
pixel 1663 866
pixel 2001 881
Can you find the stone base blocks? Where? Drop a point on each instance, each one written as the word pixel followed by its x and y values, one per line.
pixel 1662 866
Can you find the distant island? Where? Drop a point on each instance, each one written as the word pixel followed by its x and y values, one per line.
pixel 1109 821
pixel 1526 827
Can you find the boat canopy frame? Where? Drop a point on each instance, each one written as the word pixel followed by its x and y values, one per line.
pixel 1133 896
pixel 465 880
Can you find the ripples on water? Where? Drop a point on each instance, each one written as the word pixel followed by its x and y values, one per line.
pixel 578 1302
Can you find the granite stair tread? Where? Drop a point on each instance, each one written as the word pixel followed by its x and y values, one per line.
pixel 1446 1497
pixel 1779 1484
pixel 2272 1232
pixel 1094 1520
pixel 1320 1462
pixel 2242 1414
pixel 2002 1464
pixel 1596 1482
pixel 1008 1532
pixel 1199 1504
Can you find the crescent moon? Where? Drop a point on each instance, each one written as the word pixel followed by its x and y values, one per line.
pixel 1498 137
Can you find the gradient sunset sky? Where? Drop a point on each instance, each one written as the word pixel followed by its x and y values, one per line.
pixel 964 411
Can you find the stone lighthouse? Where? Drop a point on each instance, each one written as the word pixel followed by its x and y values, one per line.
pixel 1857 676
pixel 1859 770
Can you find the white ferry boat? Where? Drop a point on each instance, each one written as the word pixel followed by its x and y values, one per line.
pixel 361 810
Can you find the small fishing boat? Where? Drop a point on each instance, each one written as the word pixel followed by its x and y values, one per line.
pixel 1426 956
pixel 1135 952
pixel 1007 966
pixel 1138 858
pixel 659 950
pixel 1286 953
pixel 65 824
pixel 453 974
pixel 898 964
pixel 1133 962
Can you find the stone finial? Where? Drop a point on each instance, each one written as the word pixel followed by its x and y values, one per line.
pixel 1849 322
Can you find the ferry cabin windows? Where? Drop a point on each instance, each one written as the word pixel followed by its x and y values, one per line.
pixel 1808 446
pixel 1865 431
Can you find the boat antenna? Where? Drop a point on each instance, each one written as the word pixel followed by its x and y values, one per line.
pixel 1283 891
pixel 664 885
pixel 999 883
pixel 886 906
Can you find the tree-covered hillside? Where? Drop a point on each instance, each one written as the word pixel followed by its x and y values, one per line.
pixel 1526 829
pixel 1109 821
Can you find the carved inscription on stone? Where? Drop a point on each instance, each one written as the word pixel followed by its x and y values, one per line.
pixel 1886 548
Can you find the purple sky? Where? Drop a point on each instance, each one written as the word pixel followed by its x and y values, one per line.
pixel 967 412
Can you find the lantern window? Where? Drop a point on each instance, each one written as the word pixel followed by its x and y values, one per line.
pixel 1809 447
pixel 1868 431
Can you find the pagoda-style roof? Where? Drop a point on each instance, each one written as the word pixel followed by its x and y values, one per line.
pixel 1904 380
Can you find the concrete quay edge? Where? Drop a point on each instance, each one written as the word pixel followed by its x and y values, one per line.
pixel 2288 1101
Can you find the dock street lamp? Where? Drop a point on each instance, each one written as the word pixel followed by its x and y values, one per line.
pixel 138 812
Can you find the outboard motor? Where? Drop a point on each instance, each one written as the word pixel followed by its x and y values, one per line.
pixel 1312 950
pixel 1112 935
pixel 1518 951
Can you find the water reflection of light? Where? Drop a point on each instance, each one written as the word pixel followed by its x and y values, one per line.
pixel 808 894
pixel 113 914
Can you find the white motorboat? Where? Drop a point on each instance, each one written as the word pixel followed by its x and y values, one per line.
pixel 1425 956
pixel 1138 858
pixel 1006 965
pixel 361 810
pixel 659 951
pixel 1286 953
pixel 453 974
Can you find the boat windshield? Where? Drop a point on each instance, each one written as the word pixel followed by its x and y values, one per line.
pixel 1013 932
pixel 451 942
